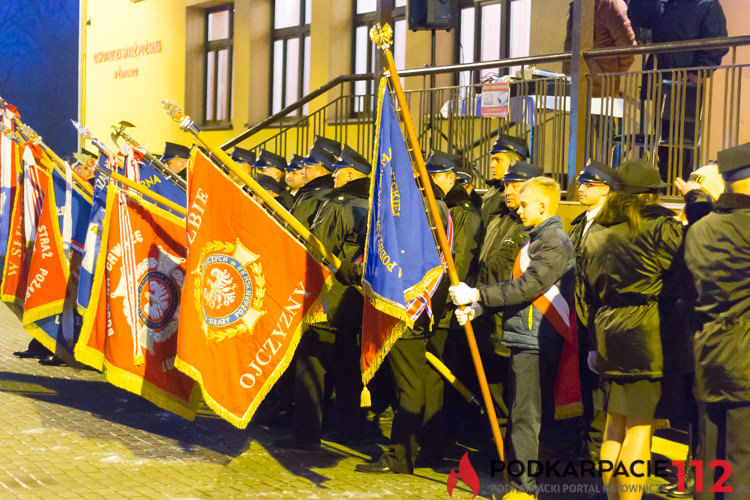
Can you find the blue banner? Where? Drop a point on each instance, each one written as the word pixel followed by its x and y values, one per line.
pixel 152 179
pixel 402 265
pixel 92 241
pixel 80 207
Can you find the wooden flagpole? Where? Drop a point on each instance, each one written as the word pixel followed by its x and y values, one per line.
pixel 382 38
pixel 313 243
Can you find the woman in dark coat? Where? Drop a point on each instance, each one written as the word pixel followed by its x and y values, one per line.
pixel 624 264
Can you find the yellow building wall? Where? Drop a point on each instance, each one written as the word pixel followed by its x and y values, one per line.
pixel 113 91
pixel 134 56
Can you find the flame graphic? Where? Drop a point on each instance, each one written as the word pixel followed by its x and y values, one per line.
pixel 466 473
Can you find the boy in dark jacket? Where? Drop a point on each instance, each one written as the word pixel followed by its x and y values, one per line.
pixel 538 304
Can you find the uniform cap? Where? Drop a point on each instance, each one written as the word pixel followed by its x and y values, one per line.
pixel 243 155
pixel 172 151
pixel 639 176
pixel 463 176
pixel 442 162
pixel 295 163
pixel 324 152
pixel 510 143
pixel 268 183
pixel 596 171
pixel 522 171
pixel 270 160
pixel 350 158
pixel 734 163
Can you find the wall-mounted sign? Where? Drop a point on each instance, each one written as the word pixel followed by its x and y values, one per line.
pixel 495 99
pixel 145 48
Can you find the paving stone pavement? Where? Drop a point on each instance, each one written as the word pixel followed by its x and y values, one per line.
pixel 66 433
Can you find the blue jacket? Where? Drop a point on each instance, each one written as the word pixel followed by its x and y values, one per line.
pixel 552 262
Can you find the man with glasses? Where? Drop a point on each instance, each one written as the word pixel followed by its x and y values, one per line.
pixel 594 185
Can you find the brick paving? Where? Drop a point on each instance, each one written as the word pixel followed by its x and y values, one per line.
pixel 66 433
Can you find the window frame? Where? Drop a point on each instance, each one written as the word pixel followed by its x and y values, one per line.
pixel 215 46
pixel 369 19
pixel 504 49
pixel 300 32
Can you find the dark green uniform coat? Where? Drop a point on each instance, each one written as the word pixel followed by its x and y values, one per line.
pixel 341 225
pixel 493 202
pixel 624 279
pixel 467 237
pixel 504 238
pixel 309 197
pixel 717 253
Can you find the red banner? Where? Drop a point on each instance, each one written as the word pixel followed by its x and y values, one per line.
pixel 131 330
pixel 33 180
pixel 48 269
pixel 251 286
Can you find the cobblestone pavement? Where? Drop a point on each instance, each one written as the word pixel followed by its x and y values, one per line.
pixel 65 433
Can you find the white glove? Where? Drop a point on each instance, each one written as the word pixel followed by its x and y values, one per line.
pixel 591 361
pixel 462 294
pixel 468 313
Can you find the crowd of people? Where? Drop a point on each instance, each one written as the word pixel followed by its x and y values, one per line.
pixel 647 306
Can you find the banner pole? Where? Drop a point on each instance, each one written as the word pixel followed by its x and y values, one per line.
pixel 28 134
pixel 382 38
pixel 313 243
pixel 118 131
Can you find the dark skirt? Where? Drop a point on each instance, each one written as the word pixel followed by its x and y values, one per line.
pixel 637 398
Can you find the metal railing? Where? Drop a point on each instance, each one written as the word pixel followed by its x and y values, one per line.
pixel 675 118
pixel 654 114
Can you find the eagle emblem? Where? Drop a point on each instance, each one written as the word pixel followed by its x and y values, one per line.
pixel 159 282
pixel 229 289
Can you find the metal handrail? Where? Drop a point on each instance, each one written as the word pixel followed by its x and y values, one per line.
pixel 295 106
pixel 515 61
pixel 678 46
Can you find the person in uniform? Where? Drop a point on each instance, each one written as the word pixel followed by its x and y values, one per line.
pixel 625 268
pixel 465 179
pixel 86 165
pixel 272 167
pixel 176 158
pixel 333 353
pixel 318 179
pixel 244 158
pixel 448 342
pixel 595 183
pixel 294 175
pixel 717 254
pixel 506 151
pixel 419 389
pixel 318 182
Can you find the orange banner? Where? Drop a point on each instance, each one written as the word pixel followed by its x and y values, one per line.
pixel 48 269
pixel 133 337
pixel 251 286
pixel 17 260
